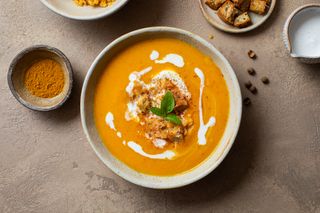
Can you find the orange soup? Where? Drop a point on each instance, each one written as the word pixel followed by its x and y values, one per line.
pixel 161 106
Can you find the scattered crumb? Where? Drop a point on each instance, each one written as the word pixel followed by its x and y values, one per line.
pixel 265 80
pixel 251 71
pixel 211 36
pixel 74 165
pixel 252 54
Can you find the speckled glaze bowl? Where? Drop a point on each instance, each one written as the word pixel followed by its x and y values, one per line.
pixel 22 62
pixel 69 9
pixel 288 33
pixel 87 114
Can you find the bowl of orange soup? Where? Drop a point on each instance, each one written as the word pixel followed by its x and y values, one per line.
pixel 161 107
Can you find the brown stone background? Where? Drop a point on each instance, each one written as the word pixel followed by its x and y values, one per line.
pixel 46 164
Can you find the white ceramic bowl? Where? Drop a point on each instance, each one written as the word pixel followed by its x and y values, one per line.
pixel 69 9
pixel 87 118
pixel 293 23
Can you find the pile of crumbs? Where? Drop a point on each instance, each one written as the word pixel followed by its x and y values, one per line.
pixel 144 96
pixel 95 3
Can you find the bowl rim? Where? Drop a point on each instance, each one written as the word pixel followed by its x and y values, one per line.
pixel 287 25
pixel 231 139
pixel 109 11
pixel 16 60
pixel 237 30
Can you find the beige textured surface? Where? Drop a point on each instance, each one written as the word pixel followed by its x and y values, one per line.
pixel 46 164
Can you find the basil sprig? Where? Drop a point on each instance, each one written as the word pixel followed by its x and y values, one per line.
pixel 166 109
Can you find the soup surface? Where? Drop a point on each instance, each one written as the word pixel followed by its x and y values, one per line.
pixel 141 78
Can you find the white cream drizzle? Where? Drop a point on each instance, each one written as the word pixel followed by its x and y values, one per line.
pixel 172 58
pixel 135 76
pixel 132 106
pixel 159 143
pixel 212 121
pixel 138 149
pixel 110 122
pixel 154 55
pixel 119 134
pixel 132 112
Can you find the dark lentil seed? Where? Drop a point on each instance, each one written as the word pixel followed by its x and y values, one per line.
pixel 252 54
pixel 253 90
pixel 247 101
pixel 248 84
pixel 265 80
pixel 251 71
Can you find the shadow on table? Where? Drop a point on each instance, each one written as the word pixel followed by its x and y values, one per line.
pixel 313 68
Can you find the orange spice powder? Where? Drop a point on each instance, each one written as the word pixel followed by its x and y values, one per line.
pixel 45 78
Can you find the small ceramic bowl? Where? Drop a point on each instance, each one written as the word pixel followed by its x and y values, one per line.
pixel 69 9
pixel 294 31
pixel 213 18
pixel 87 114
pixel 17 71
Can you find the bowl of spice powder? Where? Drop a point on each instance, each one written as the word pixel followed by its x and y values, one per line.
pixel 40 78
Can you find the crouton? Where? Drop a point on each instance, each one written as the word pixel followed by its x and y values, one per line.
pixel 268 2
pixel 215 4
pixel 243 5
pixel 237 12
pixel 258 6
pixel 242 20
pixel 227 12
pixel 143 103
pixel 176 133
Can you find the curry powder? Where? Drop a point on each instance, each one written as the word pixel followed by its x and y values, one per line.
pixel 45 78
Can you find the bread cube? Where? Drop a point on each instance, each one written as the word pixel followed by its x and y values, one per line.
pixel 227 12
pixel 268 2
pixel 258 6
pixel 243 5
pixel 242 20
pixel 215 4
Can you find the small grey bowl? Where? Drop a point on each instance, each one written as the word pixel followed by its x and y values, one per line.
pixel 22 62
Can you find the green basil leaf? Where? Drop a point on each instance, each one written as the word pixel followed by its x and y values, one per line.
pixel 173 119
pixel 157 111
pixel 168 103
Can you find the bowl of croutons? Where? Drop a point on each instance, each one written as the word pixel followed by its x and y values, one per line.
pixel 237 16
